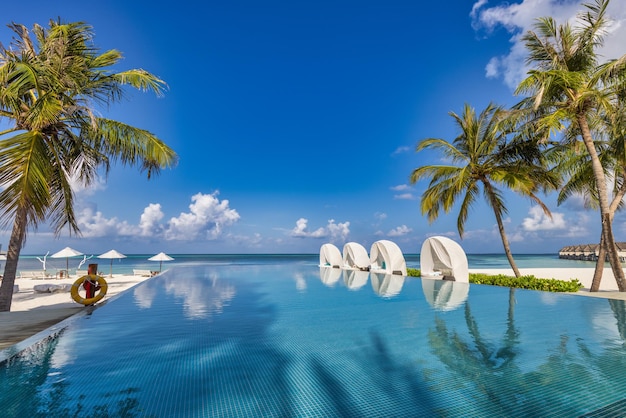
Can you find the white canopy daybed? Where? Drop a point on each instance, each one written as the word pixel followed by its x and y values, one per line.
pixel 355 256
pixel 330 256
pixel 442 258
pixel 386 257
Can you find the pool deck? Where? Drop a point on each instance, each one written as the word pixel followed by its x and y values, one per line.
pixel 32 313
pixel 18 326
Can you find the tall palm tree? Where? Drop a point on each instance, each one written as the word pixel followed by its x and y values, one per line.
pixel 567 87
pixel 482 157
pixel 51 87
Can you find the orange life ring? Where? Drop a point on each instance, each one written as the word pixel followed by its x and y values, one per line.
pixel 89 301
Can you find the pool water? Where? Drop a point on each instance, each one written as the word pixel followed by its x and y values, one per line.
pixel 297 340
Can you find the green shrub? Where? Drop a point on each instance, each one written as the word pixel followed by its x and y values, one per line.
pixel 523 282
pixel 527 282
pixel 413 272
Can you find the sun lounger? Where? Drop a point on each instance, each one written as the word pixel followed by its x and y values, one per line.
pixel 144 273
pixel 52 288
pixel 34 274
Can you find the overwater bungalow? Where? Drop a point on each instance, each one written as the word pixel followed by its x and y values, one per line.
pixel 589 252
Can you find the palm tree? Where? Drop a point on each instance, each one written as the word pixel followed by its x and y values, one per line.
pixel 50 87
pixel 482 156
pixel 567 87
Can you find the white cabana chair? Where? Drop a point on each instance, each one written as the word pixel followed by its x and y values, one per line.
pixel 386 257
pixel 355 256
pixel 443 259
pixel 330 256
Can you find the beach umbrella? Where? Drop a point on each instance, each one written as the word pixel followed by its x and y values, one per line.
pixel 160 257
pixel 66 253
pixel 112 254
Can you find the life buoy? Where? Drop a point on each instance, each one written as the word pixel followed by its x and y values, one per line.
pixel 89 301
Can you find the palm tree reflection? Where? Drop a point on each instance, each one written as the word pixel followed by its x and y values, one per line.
pixel 573 378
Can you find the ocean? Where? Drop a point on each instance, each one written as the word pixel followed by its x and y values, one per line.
pixel 140 261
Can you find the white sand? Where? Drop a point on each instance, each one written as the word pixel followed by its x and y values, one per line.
pixel 26 299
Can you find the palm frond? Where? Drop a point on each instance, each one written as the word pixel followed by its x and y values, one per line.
pixel 24 174
pixel 142 80
pixel 131 145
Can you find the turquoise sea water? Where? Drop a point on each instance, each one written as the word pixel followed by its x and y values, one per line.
pixel 140 261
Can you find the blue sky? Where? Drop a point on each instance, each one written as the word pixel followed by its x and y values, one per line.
pixel 296 122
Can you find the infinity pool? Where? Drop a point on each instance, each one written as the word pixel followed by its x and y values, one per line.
pixel 297 340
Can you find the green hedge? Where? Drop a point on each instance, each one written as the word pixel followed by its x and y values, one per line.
pixel 523 282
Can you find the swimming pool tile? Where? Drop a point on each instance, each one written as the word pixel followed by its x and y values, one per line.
pixel 241 341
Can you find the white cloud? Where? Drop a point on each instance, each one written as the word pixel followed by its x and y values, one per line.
pixel 94 224
pixel 149 221
pixel 539 221
pixel 404 196
pixel 401 187
pixel 400 231
pixel 332 230
pixel 301 230
pixel 338 231
pixel 401 150
pixel 206 219
pixel 519 18
pixel 80 189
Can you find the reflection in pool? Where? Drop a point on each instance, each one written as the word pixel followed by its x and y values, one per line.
pixel 289 340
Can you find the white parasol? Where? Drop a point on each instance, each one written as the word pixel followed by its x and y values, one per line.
pixel 112 254
pixel 160 257
pixel 66 253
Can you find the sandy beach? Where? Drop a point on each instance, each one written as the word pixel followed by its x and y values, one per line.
pixel 32 312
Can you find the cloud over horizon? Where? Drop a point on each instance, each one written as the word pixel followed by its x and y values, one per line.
pixel 332 230
pixel 206 220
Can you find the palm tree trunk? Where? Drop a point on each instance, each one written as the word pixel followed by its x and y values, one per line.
pixel 616 264
pixel 603 197
pixel 597 274
pixel 505 244
pixel 13 254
